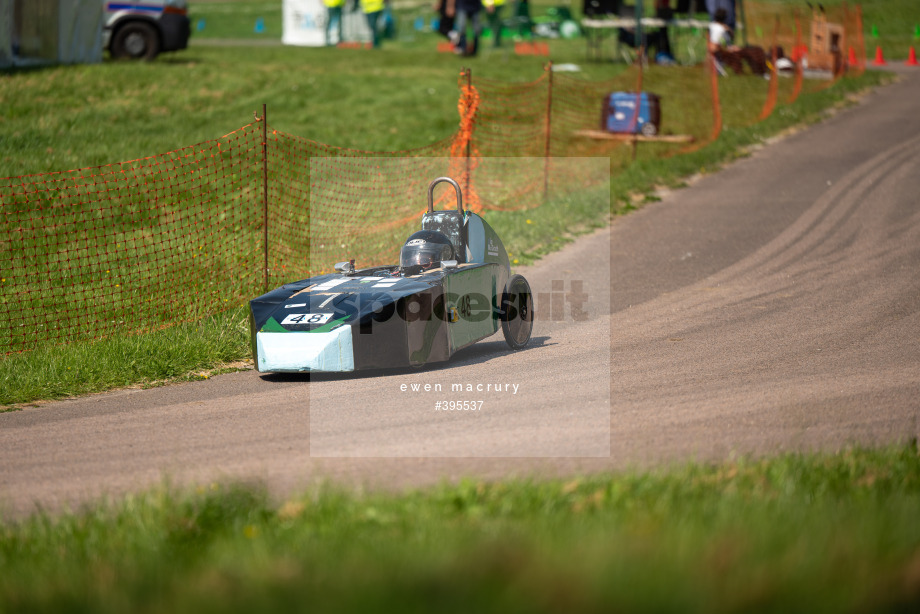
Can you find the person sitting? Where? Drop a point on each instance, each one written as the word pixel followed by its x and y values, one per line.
pixel 726 6
pixel 725 52
pixel 424 251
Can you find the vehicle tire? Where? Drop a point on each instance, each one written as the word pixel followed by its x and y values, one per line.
pixel 649 129
pixel 517 313
pixel 136 40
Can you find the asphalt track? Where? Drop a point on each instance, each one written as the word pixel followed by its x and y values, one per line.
pixel 772 306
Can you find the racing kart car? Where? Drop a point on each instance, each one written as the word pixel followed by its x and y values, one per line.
pixel 452 287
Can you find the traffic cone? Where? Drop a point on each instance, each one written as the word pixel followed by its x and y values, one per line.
pixel 912 58
pixel 879 58
pixel 851 60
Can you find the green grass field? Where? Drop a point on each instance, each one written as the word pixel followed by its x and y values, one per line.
pixel 795 533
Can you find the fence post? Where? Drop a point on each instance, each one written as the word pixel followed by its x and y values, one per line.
pixel 744 25
pixel 640 33
pixel 635 120
pixel 546 147
pixel 469 140
pixel 265 196
pixel 770 103
pixel 797 86
pixel 861 60
pixel 714 90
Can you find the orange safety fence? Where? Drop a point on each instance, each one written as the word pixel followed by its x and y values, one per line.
pixel 141 245
pixel 329 204
pixel 857 47
pixel 798 34
pixel 773 75
pixel 130 247
pixel 797 67
pixel 714 92
pixel 545 118
pixel 463 152
pixel 800 50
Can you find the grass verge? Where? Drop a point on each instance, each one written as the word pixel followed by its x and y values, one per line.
pixel 179 353
pixel 796 533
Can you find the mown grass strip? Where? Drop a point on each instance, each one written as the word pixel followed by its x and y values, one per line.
pixel 181 352
pixel 796 533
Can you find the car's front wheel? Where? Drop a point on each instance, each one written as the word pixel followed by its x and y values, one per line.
pixel 517 313
pixel 137 40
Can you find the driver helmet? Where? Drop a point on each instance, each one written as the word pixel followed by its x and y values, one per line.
pixel 424 250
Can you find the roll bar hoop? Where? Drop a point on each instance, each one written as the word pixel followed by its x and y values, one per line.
pixel 456 189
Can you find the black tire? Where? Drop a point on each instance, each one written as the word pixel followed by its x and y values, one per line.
pixel 517 313
pixel 136 40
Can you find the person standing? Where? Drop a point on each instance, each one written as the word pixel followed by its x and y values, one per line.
pixel 724 51
pixel 720 43
pixel 522 18
pixel 494 16
pixel 373 9
pixel 720 33
pixel 465 12
pixel 662 39
pixel 333 21
pixel 445 22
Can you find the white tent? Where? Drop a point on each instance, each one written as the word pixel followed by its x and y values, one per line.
pixel 50 32
pixel 304 23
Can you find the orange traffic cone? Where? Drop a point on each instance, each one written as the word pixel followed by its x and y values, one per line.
pixel 851 60
pixel 912 58
pixel 879 59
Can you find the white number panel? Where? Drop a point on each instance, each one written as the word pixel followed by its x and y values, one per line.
pixel 306 318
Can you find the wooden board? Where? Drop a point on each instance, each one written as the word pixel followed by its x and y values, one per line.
pixel 622 136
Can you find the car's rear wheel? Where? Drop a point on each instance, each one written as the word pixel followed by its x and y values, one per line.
pixel 137 39
pixel 517 313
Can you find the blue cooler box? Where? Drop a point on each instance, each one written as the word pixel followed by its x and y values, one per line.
pixel 620 107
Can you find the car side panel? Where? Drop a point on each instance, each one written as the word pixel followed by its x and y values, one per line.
pixel 474 292
pixel 380 339
pixel 426 324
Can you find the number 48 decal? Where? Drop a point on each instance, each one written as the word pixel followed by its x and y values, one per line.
pixel 306 318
